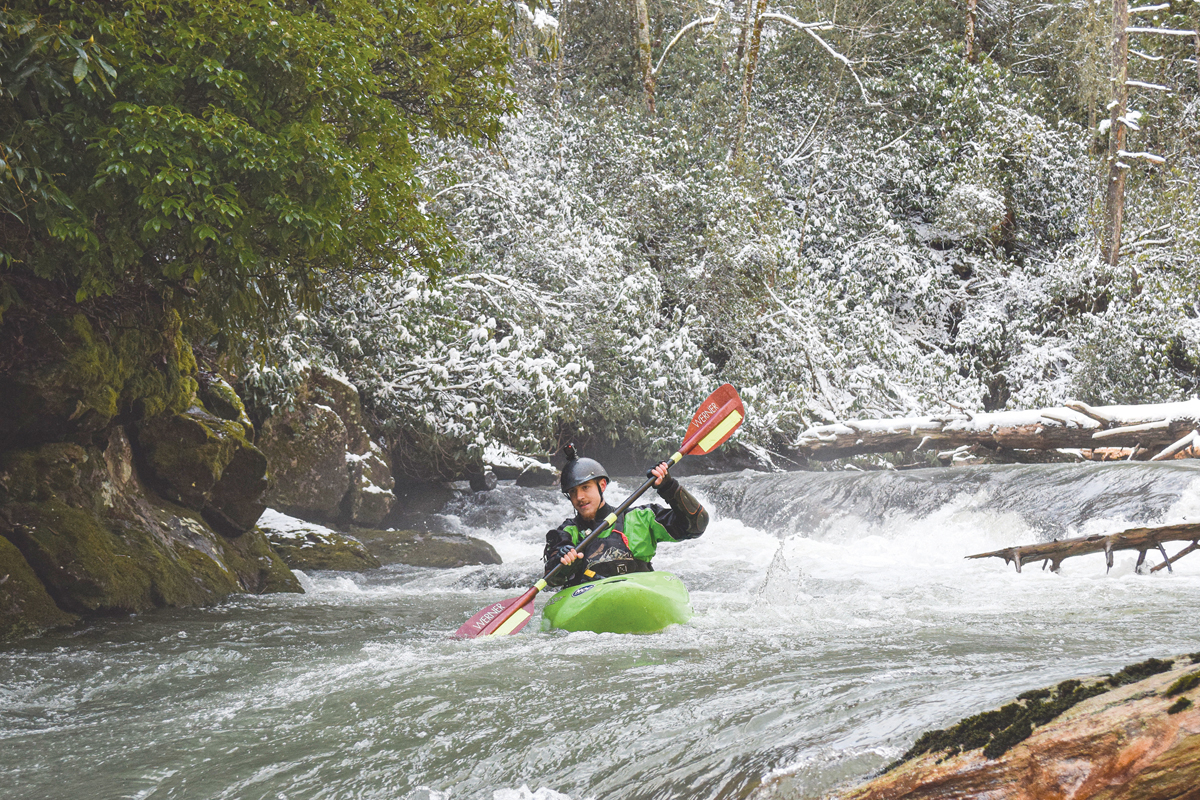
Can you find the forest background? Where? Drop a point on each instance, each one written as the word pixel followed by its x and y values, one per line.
pixel 529 224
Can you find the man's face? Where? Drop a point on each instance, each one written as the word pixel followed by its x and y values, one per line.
pixel 587 497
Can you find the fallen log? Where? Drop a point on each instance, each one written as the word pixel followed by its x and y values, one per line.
pixel 1140 539
pixel 1146 432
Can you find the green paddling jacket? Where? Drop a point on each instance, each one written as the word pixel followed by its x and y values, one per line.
pixel 628 545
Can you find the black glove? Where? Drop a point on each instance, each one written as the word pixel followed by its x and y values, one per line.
pixel 562 551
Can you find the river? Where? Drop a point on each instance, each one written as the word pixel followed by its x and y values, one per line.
pixel 836 620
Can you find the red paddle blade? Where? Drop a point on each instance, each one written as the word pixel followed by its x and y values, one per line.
pixel 491 621
pixel 715 421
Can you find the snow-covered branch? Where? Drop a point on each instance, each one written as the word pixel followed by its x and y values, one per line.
pixel 811 29
pixel 693 24
pixel 1151 157
pixel 1163 31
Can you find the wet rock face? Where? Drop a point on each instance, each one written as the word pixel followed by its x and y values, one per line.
pixel 1134 737
pixel 417 549
pixel 323 463
pixel 25 607
pixel 306 454
pixel 100 542
pixel 67 375
pixel 205 463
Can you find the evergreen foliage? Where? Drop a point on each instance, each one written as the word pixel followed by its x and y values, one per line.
pixel 247 156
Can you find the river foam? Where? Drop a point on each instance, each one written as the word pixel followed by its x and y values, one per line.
pixel 836 619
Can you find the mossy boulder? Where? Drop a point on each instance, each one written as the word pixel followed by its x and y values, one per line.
pixel 100 542
pixel 26 609
pixel 306 454
pixel 324 463
pixel 419 549
pixel 370 497
pixel 69 374
pixel 259 568
pixel 342 397
pixel 221 399
pixel 321 549
pixel 205 463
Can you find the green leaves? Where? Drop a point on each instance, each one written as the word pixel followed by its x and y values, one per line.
pixel 240 155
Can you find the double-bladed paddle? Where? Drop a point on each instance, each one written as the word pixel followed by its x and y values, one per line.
pixel 714 422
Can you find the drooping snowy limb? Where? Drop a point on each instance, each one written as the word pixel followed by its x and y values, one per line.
pixel 1151 157
pixel 1075 426
pixel 811 29
pixel 1147 56
pixel 1140 539
pixel 462 186
pixel 1158 87
pixel 693 24
pixel 1149 9
pixel 1163 31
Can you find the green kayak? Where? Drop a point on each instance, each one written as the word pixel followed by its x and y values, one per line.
pixel 641 602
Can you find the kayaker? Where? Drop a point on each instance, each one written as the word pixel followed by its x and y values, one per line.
pixel 630 544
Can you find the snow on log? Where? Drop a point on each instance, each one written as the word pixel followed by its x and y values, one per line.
pixel 1140 539
pixel 1146 429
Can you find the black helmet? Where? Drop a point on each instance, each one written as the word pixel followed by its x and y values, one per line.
pixel 579 470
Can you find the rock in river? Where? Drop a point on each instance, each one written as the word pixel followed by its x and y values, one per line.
pixel 304 545
pixel 1134 735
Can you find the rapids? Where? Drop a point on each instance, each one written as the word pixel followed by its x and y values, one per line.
pixel 835 620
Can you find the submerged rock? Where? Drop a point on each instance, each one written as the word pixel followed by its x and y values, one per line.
pixel 1134 735
pixel 305 545
pixel 419 549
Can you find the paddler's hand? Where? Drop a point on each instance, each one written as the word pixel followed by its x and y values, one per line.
pixel 568 555
pixel 659 472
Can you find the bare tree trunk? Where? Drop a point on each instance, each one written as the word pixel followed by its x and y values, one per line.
pixel 746 23
pixel 751 66
pixel 1114 204
pixel 972 55
pixel 1197 40
pixel 643 44
pixel 1089 82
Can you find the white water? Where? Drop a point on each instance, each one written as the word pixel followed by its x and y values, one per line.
pixel 836 620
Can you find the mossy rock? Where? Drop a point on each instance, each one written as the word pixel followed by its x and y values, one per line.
pixel 322 550
pixel 259 568
pixel 72 376
pixel 306 457
pixel 90 568
pixel 418 549
pixel 207 464
pixel 340 395
pixel 26 609
pixel 101 543
pixel 370 497
pixel 41 473
pixel 221 399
